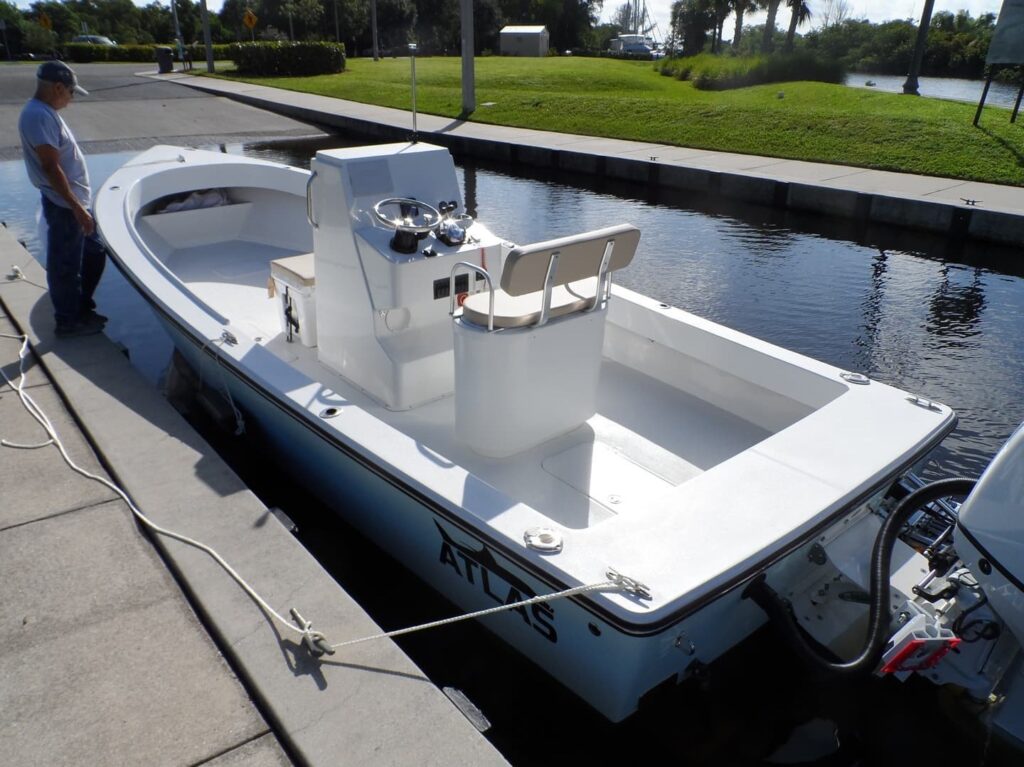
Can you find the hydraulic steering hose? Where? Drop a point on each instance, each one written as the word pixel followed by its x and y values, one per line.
pixel 781 613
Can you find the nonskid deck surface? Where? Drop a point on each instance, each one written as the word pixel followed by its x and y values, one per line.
pixel 646 438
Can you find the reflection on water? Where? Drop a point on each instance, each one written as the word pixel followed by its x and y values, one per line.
pixel 934 316
pixel 955 310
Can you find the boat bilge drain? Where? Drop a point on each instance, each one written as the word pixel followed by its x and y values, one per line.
pixel 543 539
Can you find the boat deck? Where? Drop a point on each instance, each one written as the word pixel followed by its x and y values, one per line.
pixel 646 439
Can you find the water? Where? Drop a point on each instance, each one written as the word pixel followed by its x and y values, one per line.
pixel 919 312
pixel 956 89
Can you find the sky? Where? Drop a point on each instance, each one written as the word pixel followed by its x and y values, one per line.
pixel 873 10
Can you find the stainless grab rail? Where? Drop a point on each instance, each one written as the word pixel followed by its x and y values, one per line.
pixel 490 288
pixel 309 201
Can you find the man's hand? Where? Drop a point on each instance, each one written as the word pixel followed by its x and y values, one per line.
pixel 84 220
pixel 49 158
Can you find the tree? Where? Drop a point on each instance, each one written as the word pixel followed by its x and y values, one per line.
pixel 741 7
pixel 600 37
pixel 720 9
pixel 623 18
pixel 66 23
pixel 833 13
pixel 800 14
pixel 308 13
pixel 12 17
pixel 156 22
pixel 36 39
pixel 395 19
pixel 487 24
pixel 767 42
pixel 690 21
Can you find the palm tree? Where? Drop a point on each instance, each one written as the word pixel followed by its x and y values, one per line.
pixel 801 13
pixel 769 25
pixel 740 7
pixel 721 9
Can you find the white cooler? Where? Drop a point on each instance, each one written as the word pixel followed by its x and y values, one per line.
pixel 294 283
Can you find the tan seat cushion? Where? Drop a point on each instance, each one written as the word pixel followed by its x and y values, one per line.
pixel 520 311
pixel 579 257
pixel 295 270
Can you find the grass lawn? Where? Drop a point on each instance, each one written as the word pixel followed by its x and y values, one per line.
pixel 630 100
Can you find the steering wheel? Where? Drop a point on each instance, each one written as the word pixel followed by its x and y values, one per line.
pixel 409 211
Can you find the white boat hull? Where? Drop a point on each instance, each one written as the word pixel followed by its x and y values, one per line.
pixel 736 457
pixel 610 666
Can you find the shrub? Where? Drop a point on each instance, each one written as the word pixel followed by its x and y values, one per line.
pixel 86 52
pixel 717 73
pixel 288 59
pixel 221 52
pixel 130 52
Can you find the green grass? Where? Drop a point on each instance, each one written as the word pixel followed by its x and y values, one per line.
pixel 817 122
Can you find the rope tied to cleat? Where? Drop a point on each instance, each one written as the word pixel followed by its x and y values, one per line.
pixel 314 641
pixel 616 582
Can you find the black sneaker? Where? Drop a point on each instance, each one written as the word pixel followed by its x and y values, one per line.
pixel 75 329
pixel 92 316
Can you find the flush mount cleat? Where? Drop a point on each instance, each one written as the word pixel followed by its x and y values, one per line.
pixel 314 641
pixel 630 585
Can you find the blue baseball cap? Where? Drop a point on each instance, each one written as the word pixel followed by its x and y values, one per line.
pixel 59 72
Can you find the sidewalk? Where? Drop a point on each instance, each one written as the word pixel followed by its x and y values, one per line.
pixel 102 658
pixel 947 206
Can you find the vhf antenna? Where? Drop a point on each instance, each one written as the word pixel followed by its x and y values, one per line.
pixel 412 58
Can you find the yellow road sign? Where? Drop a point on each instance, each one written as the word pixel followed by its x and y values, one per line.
pixel 45 22
pixel 249 19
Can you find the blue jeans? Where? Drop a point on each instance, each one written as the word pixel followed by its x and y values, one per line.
pixel 74 263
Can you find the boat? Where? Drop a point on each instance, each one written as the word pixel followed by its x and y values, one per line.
pixel 507 422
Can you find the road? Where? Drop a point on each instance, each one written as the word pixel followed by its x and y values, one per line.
pixel 127 110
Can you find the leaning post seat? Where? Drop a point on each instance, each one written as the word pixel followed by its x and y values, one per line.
pixel 528 354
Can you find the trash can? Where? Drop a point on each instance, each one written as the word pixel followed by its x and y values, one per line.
pixel 164 60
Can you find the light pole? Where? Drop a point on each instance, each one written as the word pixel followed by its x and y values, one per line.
pixel 910 86
pixel 468 75
pixel 177 33
pixel 207 40
pixel 373 28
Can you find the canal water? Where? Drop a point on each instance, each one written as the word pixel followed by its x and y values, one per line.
pixel 953 88
pixel 939 318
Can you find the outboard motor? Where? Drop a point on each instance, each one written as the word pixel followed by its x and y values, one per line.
pixel 962 623
pixel 990 533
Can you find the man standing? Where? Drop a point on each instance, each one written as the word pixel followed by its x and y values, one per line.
pixel 75 257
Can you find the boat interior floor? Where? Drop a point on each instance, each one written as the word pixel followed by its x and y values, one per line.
pixel 646 438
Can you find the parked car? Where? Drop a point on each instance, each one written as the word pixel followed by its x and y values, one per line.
pixel 93 40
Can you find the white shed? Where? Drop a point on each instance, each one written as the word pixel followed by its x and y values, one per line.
pixel 524 41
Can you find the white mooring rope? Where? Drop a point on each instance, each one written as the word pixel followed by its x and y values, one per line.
pixel 314 641
pixel 17 274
